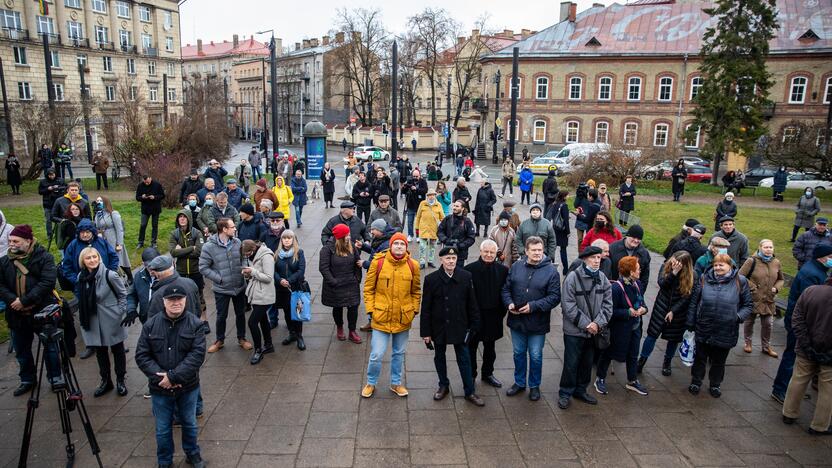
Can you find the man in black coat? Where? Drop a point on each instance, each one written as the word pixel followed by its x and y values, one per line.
pixel 362 195
pixel 50 188
pixel 414 189
pixel 358 230
pixel 191 184
pixel 488 276
pixel 458 231
pixel 550 191
pixel 486 199
pixel 631 245
pixel 27 278
pixel 450 317
pixel 150 194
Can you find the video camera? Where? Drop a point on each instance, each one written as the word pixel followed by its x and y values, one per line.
pixel 49 321
pixel 582 191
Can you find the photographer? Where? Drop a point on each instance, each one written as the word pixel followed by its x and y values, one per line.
pixel 415 190
pixel 27 278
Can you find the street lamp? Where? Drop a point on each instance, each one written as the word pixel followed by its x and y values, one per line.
pixel 273 73
pixel 496 132
pixel 448 127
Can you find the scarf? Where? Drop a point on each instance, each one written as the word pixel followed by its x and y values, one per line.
pixel 765 258
pixel 21 260
pixel 87 300
pixel 286 253
pixel 595 275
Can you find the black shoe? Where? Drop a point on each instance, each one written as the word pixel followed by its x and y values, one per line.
pixel 666 367
pixel 693 389
pixel 441 393
pixel 196 461
pixel 58 383
pixel 103 388
pixel 256 357
pixel 515 389
pixel 641 362
pixel 140 245
pixel 23 388
pixel 87 353
pixel 289 339
pixel 301 344
pixel 788 420
pixel 563 402
pixel 121 389
pixel 820 433
pixel 493 381
pixel 586 398
pixel 268 349
pixel 715 392
pixel 534 393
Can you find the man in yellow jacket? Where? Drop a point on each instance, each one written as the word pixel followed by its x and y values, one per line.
pixel 392 291
pixel 284 197
pixel 428 217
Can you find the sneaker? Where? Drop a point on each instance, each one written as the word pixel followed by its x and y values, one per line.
pixel 146 395
pixel 563 402
pixel 636 386
pixel 601 386
pixel 409 238
pixel 368 390
pixel 778 398
pixel 399 390
pixel 693 389
pixel 715 392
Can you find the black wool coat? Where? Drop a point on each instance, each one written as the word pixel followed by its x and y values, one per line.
pixel 449 307
pixel 150 207
pixel 488 280
pixel 669 299
pixel 342 277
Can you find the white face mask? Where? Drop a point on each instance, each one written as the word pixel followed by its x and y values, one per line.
pixel 503 222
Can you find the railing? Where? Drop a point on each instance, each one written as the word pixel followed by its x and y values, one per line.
pixel 106 46
pixel 479 105
pixel 306 76
pixel 78 42
pixel 129 48
pixel 52 38
pixel 17 34
pixel 151 51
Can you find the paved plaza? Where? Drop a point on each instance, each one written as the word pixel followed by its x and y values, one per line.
pixel 304 409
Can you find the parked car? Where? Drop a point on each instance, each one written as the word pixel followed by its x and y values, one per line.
pixel 696 160
pixel 661 170
pixel 541 165
pixel 754 176
pixel 800 180
pixel 365 153
pixel 696 173
pixel 460 149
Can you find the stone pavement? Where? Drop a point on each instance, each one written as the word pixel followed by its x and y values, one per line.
pixel 304 409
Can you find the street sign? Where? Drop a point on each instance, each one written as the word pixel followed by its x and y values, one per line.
pixel 445 130
pixel 499 122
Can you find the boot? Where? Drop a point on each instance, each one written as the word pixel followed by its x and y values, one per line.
pixel 339 331
pixel 354 337
pixel 641 362
pixel 301 344
pixel 289 339
pixel 103 388
pixel 666 367
pixel 121 388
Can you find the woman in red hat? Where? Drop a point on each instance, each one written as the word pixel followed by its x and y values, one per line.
pixel 340 266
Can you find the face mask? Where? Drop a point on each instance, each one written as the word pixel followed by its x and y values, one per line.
pixel 503 222
pixel 100 205
pixel 536 214
pixel 192 203
pixel 431 202
pixel 209 202
pixel 590 269
pixel 275 226
pixel 808 193
pixel 722 251
pixel 600 224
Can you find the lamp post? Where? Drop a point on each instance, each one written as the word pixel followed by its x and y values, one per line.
pixel 264 141
pixel 496 132
pixel 395 147
pixel 515 92
pixel 273 78
pixel 448 116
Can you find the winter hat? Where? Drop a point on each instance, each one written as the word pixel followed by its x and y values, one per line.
pixel 340 231
pixel 247 209
pixel 729 195
pixel 535 206
pixel 160 263
pixel 262 183
pixel 149 254
pixel 194 172
pixel 700 229
pixel 504 215
pixel 822 220
pixel 379 225
pixel 399 237
pixel 636 232
pixel 590 251
pixel 822 250
pixel 692 222
pixel 24 231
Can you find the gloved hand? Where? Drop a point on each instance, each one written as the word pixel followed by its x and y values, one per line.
pixel 129 319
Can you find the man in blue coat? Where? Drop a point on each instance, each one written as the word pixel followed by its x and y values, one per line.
pixel 813 273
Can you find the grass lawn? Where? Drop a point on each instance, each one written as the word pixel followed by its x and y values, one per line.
pixel 30 187
pixel 662 187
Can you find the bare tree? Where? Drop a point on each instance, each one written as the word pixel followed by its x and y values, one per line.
pixel 466 63
pixel 800 145
pixel 359 59
pixel 408 74
pixel 433 29
pixel 41 124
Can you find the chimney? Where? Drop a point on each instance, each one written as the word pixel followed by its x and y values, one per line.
pixel 297 45
pixel 460 40
pixel 525 33
pixel 278 46
pixel 199 46
pixel 339 37
pixel 508 33
pixel 597 5
pixel 325 40
pixel 564 11
pixel 306 43
pixel 573 12
pixel 313 42
pixel 475 33
pixel 235 40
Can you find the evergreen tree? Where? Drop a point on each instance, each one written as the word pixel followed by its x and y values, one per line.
pixel 736 82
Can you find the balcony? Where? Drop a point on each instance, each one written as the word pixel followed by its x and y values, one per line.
pixel 106 45
pixel 305 76
pixel 768 110
pixel 151 51
pixel 52 38
pixel 479 105
pixel 15 34
pixel 78 42
pixel 130 49
pixel 306 97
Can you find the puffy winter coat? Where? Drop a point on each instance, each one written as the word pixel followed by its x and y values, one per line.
pixel 584 300
pixel 157 304
pixel 449 307
pixel 457 231
pixel 526 180
pixel 392 293
pixel 593 234
pixel 541 228
pixel 669 299
pixel 260 287
pixel 539 287
pixel 173 346
pixel 185 246
pixel 298 186
pixel 377 245
pixel 781 178
pixel 284 198
pixel 70 266
pixel 63 202
pixel 762 276
pixel 222 265
pixel 806 243
pixel 717 308
pixel 341 277
pixel 805 211
pixel 486 199
pixel 290 270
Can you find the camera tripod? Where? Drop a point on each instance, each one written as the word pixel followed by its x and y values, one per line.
pixel 69 396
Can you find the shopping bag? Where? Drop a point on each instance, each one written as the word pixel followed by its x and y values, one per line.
pixel 687 348
pixel 301 306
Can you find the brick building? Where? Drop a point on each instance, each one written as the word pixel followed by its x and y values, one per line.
pixel 627 73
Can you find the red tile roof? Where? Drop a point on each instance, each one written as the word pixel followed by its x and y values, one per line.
pixel 661 27
pixel 219 49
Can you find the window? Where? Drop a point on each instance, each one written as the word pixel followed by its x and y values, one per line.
pixel 20 56
pixel 790 134
pixel 665 89
pixel 46 25
pixel 153 94
pixel 122 9
pixel 125 37
pixel 575 85
pixel 171 69
pixel 134 92
pixel 519 87
pixel 660 135
pixel 634 89
pixel 692 139
pixel 74 30
pixel 151 68
pixel 572 131
pixel 147 41
pixel 131 66
pixel 168 23
pixel 797 95
pixel 58 91
pixel 11 20
pixel 542 89
pixel 466 105
pixel 144 13
pixel 108 64
pixel 169 44
pixel 602 132
pixel 82 60
pixel 695 85
pixel 110 93
pixel 540 128
pixel 827 94
pixel 171 94
pixel 99 6
pixel 24 91
pixel 72 3
pixel 56 58
pixel 630 133
pixel 605 88
pixel 102 35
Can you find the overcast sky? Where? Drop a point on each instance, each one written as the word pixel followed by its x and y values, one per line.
pixel 215 20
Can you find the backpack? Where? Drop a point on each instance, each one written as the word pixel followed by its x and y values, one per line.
pixel 380 263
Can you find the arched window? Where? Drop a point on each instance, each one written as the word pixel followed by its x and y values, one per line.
pixel 695 85
pixel 827 94
pixel 575 85
pixel 634 89
pixel 660 134
pixel 797 94
pixel 542 88
pixel 665 89
pixel 573 128
pixel 630 133
pixel 539 131
pixel 602 132
pixel 605 88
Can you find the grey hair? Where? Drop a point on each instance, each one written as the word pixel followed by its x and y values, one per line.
pixel 266 202
pixel 488 243
pixel 600 243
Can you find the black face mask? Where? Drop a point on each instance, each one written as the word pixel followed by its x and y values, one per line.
pixel 600 224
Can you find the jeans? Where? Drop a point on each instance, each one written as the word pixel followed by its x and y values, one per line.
pixel 803 374
pixel 463 361
pixel 352 316
pixel 258 323
pixel 489 355
pixel 650 343
pixel 784 372
pixel 99 178
pixel 102 354
pixel 508 182
pixel 411 217
pixel 631 358
pixel 222 303
pixel 256 174
pixel 68 167
pixel 532 345
pixel 427 251
pixel 22 339
pixel 524 195
pixel 378 346
pixel 701 356
pixel 184 405
pixel 298 212
pixel 577 365
pixel 154 232
pixel 564 262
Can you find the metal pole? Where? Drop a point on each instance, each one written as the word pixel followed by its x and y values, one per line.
pixel 401 111
pixel 48 61
pixel 273 73
pixel 225 100
pixel 448 151
pixel 496 116
pixel 165 100
pixel 394 150
pixel 9 135
pixel 515 91
pixel 827 135
pixel 265 141
pixel 85 110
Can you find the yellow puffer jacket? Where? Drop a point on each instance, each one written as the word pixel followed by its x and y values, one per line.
pixel 427 219
pixel 392 294
pixel 284 198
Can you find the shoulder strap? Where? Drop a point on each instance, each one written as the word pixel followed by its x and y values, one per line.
pixel 626 297
pixel 379 263
pixel 109 282
pixel 753 266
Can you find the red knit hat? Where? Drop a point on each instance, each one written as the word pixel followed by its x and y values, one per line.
pixel 262 183
pixel 24 231
pixel 340 231
pixel 398 236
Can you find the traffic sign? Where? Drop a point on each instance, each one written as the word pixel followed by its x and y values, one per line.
pixel 499 122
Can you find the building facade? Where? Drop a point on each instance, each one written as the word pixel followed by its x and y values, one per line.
pixel 121 46
pixel 626 74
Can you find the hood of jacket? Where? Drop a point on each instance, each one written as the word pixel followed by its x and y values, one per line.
pixel 85 225
pixel 187 213
pixel 261 252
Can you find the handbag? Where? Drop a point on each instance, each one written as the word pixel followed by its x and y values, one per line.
pixel 300 304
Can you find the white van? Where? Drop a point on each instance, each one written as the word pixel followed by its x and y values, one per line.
pixel 574 154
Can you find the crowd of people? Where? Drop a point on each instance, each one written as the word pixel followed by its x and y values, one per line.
pixel 235 233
